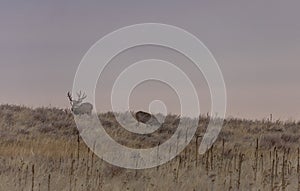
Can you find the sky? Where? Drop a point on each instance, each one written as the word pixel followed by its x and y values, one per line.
pixel 256 44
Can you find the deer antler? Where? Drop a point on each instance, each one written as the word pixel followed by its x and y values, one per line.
pixel 81 96
pixel 78 94
pixel 70 97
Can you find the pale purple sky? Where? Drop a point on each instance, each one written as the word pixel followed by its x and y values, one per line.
pixel 256 44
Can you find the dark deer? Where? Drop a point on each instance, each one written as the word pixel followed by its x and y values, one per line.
pixel 79 108
pixel 146 118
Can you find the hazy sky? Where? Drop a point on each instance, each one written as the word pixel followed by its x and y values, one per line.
pixel 256 44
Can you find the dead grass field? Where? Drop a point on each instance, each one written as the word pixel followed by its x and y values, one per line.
pixel 40 150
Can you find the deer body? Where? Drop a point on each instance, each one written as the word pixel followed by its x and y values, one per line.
pixel 84 108
pixel 146 118
pixel 79 108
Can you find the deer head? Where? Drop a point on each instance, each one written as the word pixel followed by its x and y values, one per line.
pixel 79 100
pixel 77 106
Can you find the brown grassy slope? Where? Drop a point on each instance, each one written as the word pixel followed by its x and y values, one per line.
pixel 39 147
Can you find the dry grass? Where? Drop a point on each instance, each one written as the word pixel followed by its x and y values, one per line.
pixel 39 150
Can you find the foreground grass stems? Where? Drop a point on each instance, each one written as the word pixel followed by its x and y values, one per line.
pixel 298 160
pixel 276 162
pixel 298 167
pixel 93 156
pixel 71 171
pixel 272 175
pixel 256 161
pixel 78 146
pixel 283 171
pixel 178 167
pixel 49 182
pixel 211 158
pixel 230 177
pixel 262 163
pixel 32 180
pixel 157 156
pixel 207 162
pixel 241 159
pixel 196 149
pixel 26 175
pixel 223 152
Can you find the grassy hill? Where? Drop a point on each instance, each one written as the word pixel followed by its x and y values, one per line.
pixel 40 150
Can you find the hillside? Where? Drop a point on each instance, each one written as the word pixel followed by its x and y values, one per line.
pixel 40 150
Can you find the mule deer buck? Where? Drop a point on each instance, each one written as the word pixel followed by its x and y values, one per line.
pixel 79 108
pixel 146 118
